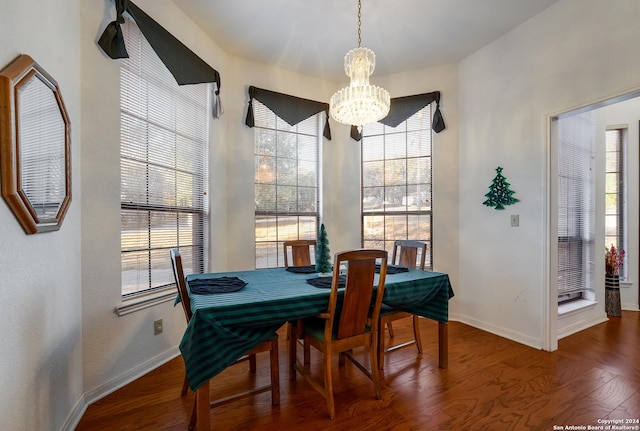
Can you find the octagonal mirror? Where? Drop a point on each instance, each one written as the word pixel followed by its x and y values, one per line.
pixel 34 146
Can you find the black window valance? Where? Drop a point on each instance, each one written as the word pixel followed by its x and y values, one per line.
pixel 185 66
pixel 291 109
pixel 404 107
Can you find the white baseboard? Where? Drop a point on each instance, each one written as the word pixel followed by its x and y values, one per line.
pixel 502 332
pixel 630 306
pixel 114 384
pixel 76 414
pixel 580 325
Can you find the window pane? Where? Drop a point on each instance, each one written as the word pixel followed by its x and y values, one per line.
pixel 615 204
pixel 372 173
pixel 265 169
pixel 395 172
pixel 576 209
pixel 374 227
pixel 374 150
pixel 265 197
pixel 266 229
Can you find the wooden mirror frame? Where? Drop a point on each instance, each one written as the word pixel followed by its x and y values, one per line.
pixel 49 162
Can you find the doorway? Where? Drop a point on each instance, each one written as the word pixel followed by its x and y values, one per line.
pixel 576 225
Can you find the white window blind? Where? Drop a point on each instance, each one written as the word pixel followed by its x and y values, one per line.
pixel 286 183
pixel 396 183
pixel 576 205
pixel 164 140
pixel 615 203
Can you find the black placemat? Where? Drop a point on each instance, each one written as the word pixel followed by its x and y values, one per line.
pixel 392 269
pixel 307 269
pixel 325 282
pixel 205 286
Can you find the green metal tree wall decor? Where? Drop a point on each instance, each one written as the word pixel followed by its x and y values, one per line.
pixel 323 258
pixel 499 193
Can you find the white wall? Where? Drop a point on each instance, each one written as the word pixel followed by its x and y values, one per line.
pixel 495 103
pixel 575 52
pixel 445 163
pixel 118 349
pixel 40 340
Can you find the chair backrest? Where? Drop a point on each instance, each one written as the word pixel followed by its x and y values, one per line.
pixel 181 283
pixel 408 253
pixel 356 307
pixel 300 252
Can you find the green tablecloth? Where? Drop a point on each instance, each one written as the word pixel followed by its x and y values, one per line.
pixel 225 326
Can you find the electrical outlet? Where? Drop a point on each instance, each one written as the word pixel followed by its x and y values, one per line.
pixel 515 220
pixel 157 327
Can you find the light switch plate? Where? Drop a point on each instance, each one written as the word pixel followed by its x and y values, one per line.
pixel 515 220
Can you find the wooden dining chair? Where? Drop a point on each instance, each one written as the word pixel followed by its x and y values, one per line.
pixel 270 346
pixel 407 253
pixel 355 325
pixel 300 250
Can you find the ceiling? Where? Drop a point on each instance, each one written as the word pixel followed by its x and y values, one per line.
pixel 312 36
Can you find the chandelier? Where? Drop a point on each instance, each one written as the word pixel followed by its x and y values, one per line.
pixel 360 103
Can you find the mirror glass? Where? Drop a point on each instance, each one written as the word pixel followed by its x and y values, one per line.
pixel 42 148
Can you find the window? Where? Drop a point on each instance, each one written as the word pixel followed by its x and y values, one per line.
pixel 286 183
pixel 576 206
pixel 614 190
pixel 163 159
pixel 396 182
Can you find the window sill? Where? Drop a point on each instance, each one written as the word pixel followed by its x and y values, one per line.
pixel 145 301
pixel 573 307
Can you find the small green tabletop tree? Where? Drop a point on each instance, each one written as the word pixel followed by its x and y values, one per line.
pixel 323 258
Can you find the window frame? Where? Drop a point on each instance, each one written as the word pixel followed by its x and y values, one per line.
pixel 183 161
pixel 386 241
pixel 618 158
pixel 273 243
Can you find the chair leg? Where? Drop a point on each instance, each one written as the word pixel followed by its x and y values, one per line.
pixel 185 387
pixel 375 375
pixel 292 356
pixel 380 346
pixel 416 332
pixel 194 417
pixel 252 363
pixel 341 357
pixel 328 384
pixel 307 353
pixel 275 373
pixel 390 326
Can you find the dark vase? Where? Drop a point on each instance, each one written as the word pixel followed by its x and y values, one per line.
pixel 612 295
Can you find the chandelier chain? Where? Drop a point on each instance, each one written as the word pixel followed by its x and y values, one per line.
pixel 359 23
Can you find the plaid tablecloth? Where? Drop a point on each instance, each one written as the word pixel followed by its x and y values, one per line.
pixel 225 326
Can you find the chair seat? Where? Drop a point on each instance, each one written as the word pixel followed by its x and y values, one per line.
pixel 314 326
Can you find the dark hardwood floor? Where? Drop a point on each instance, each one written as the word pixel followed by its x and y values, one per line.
pixel 491 384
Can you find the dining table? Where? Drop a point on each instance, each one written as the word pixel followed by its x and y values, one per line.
pixel 226 325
